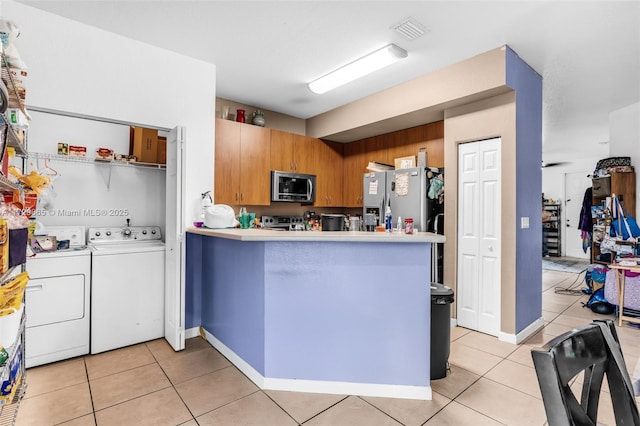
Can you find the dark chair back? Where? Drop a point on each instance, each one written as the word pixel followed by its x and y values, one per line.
pixel 594 349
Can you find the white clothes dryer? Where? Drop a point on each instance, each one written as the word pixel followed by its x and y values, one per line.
pixel 57 300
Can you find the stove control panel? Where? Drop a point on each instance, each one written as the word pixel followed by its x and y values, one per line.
pixel 118 234
pixel 287 222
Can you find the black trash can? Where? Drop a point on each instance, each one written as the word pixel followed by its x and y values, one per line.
pixel 441 300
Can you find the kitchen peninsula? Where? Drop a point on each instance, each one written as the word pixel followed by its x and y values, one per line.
pixel 326 312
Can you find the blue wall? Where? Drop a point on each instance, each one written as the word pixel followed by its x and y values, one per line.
pixel 528 87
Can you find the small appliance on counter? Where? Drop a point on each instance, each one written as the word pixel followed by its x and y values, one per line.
pixel 283 223
pixel 219 216
pixel 333 222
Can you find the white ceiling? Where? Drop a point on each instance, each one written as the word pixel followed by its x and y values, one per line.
pixel 588 52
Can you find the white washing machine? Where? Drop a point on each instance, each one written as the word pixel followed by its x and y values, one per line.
pixel 57 300
pixel 127 279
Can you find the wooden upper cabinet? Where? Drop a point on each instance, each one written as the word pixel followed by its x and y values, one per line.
pixel 410 141
pixel 246 154
pixel 255 165
pixel 291 152
pixel 282 151
pixel 242 164
pixel 328 171
pixel 227 162
pixel 319 158
pixel 305 154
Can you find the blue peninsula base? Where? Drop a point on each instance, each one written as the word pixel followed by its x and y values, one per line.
pixel 341 317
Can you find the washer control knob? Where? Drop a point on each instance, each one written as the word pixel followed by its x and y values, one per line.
pixel 126 232
pixel 97 233
pixel 153 231
pixel 108 233
pixel 144 232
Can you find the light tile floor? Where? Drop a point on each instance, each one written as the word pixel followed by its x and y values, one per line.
pixel 491 383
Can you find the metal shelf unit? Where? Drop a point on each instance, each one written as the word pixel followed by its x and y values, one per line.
pixel 13 139
pixel 9 407
pixel 552 235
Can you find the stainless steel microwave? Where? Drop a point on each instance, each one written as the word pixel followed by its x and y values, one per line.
pixel 293 187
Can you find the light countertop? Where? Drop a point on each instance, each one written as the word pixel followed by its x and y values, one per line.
pixel 319 236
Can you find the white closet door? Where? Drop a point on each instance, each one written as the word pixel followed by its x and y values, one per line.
pixel 479 207
pixel 174 232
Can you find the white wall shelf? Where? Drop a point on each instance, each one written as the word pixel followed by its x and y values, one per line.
pixel 116 163
pixel 109 164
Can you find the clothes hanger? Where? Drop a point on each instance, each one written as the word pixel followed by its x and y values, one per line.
pixel 47 170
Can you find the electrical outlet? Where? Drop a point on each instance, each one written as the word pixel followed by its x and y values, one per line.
pixel 524 222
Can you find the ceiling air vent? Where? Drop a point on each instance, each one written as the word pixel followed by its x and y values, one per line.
pixel 410 28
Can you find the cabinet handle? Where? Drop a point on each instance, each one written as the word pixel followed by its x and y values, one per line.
pixel 236 196
pixel 242 196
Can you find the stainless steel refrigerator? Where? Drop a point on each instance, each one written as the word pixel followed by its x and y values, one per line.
pixel 405 190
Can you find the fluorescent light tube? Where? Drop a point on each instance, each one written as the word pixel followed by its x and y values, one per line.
pixel 358 68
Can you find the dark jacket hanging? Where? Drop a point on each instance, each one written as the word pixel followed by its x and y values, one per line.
pixel 585 223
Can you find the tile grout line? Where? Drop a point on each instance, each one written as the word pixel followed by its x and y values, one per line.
pixel 173 385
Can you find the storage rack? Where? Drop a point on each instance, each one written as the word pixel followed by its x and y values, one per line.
pixel 553 236
pixel 623 184
pixel 9 404
pixel 9 407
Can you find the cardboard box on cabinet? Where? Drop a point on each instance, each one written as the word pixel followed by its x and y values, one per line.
pixel 162 150
pixel 405 162
pixel 143 144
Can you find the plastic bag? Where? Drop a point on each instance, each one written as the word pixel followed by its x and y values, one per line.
pixel 626 227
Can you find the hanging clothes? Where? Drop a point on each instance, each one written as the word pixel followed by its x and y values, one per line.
pixel 585 223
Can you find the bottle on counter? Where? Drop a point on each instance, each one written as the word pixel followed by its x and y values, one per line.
pixel 399 224
pixel 388 224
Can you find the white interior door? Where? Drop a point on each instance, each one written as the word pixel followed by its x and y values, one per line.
pixel 479 209
pixel 174 232
pixel 575 184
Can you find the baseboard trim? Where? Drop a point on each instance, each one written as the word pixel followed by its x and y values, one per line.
pixel 528 331
pixel 192 332
pixel 316 386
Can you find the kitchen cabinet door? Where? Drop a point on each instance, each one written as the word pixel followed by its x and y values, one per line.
pixel 242 164
pixel 292 152
pixel 255 165
pixel 329 173
pixel 305 154
pixel 227 162
pixel 323 159
pixel 282 146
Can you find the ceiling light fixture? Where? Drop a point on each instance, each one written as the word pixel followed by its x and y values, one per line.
pixel 358 68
